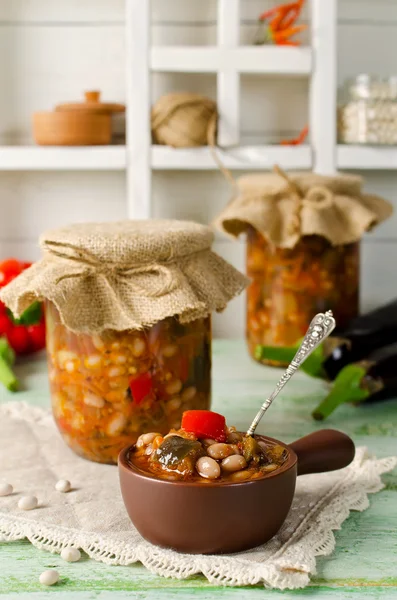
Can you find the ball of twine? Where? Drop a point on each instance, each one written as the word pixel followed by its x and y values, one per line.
pixel 184 120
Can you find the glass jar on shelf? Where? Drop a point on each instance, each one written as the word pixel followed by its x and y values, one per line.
pixel 367 113
pixel 303 238
pixel 128 313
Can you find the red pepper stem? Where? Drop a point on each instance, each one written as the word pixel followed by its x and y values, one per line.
pixel 7 377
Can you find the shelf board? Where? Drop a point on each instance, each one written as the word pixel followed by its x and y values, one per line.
pixel 240 158
pixel 245 59
pixel 366 157
pixel 62 158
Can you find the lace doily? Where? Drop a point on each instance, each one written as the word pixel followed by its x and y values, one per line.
pixel 92 516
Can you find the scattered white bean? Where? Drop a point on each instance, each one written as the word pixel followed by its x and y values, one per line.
pixel 63 485
pixel 93 400
pixel 49 577
pixel 6 489
pixel 116 424
pixel 170 350
pixel 138 347
pixel 208 468
pixel 234 463
pixel 189 393
pixel 173 387
pixel 70 554
pixel 27 502
pixel 219 451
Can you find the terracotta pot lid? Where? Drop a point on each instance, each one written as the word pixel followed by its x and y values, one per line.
pixel 92 104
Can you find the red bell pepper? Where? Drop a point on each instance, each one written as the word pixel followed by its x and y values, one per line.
pixel 27 334
pixel 141 387
pixel 205 424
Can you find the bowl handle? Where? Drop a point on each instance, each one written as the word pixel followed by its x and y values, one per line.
pixel 324 450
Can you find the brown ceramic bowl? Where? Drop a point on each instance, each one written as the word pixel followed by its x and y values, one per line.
pixel 71 128
pixel 226 517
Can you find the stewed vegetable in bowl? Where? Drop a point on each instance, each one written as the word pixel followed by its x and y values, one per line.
pixel 208 488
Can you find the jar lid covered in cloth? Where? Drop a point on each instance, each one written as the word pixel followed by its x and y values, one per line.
pixel 284 208
pixel 127 275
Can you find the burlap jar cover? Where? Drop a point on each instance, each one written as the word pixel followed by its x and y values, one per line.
pixel 286 208
pixel 127 275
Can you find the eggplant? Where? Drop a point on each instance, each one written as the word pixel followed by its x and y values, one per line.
pixel 369 380
pixel 363 336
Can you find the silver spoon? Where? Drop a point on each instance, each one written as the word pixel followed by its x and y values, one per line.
pixel 319 329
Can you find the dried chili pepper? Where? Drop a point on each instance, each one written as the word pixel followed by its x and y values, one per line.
pixel 302 135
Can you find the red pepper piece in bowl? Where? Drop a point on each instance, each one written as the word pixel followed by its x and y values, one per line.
pixel 205 424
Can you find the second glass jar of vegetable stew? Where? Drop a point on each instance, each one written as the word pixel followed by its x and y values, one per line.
pixel 128 311
pixel 303 235
pixel 289 286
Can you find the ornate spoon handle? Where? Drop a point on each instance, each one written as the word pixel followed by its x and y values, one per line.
pixel 319 329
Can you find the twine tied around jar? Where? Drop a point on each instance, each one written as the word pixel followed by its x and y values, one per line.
pixel 318 197
pixel 169 279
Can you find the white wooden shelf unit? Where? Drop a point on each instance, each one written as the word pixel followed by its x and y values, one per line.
pixel 228 59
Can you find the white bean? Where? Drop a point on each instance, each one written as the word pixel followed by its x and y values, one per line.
pixel 63 485
pixel 219 451
pixel 208 468
pixel 69 366
pixel 138 347
pixel 189 393
pixel 170 350
pixel 146 438
pixel 116 371
pixel 49 577
pixel 98 343
pixel 173 387
pixel 70 554
pixel 93 361
pixel 64 356
pixel 208 442
pixel 234 463
pixel 93 400
pixel 6 489
pixel 27 502
pixel 172 405
pixel 116 424
pixel 234 437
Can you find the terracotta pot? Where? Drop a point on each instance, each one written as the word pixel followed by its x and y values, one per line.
pixel 92 103
pixel 75 128
pixel 223 518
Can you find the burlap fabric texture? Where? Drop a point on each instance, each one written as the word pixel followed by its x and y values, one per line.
pixel 127 275
pixel 284 209
pixel 184 120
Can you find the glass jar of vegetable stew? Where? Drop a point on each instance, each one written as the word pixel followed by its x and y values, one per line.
pixel 289 286
pixel 106 390
pixel 128 309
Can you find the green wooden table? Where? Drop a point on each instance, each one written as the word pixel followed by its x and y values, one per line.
pixel 364 564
